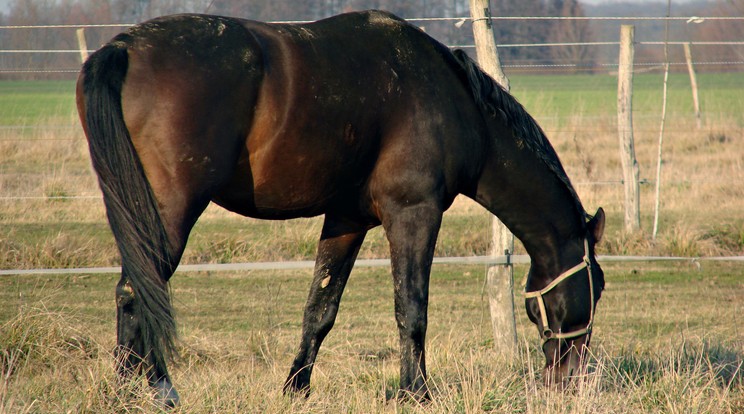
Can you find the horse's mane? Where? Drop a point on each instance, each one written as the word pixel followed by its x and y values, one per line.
pixel 495 100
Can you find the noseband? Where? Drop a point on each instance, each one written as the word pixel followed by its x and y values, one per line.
pixel 547 334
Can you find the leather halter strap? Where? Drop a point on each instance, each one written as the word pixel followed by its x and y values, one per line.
pixel 547 333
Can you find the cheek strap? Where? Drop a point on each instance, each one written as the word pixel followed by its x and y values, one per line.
pixel 548 333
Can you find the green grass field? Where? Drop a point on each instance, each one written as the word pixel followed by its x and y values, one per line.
pixel 36 102
pixel 29 103
pixel 596 95
pixel 668 337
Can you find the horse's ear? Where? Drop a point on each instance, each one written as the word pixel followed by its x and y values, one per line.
pixel 597 224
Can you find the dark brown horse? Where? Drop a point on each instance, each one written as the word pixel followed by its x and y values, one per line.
pixel 362 118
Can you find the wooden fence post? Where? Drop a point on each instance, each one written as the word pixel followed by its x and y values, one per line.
pixel 82 44
pixel 500 278
pixel 632 217
pixel 693 83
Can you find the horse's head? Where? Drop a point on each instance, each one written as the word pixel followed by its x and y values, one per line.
pixel 562 305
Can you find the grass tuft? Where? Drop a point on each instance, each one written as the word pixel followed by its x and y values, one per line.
pixel 37 338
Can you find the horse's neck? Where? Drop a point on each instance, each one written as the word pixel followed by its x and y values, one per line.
pixel 544 238
pixel 532 201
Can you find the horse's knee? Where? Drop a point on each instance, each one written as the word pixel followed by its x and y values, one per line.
pixel 325 320
pixel 412 324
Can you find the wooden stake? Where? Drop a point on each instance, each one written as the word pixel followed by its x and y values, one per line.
pixel 657 195
pixel 500 279
pixel 632 218
pixel 693 83
pixel 82 44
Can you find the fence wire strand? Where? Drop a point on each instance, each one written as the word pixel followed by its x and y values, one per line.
pixel 309 264
pixel 687 19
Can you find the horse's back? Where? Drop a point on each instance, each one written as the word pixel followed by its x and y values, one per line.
pixel 377 101
pixel 278 120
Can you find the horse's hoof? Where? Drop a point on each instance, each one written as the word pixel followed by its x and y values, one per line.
pixel 421 396
pixel 166 394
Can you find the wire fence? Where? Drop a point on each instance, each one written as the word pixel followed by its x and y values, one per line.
pixel 687 19
pixel 47 132
pixel 310 264
pixel 452 21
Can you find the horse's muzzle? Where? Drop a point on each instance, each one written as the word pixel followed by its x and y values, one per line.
pixel 565 361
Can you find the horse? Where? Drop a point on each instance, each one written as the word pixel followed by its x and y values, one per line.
pixel 362 118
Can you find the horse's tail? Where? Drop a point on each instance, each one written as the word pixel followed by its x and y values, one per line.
pixel 131 206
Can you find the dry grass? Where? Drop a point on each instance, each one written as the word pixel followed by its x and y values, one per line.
pixel 701 211
pixel 660 346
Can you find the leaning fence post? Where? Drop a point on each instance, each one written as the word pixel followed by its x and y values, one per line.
pixel 632 216
pixel 693 83
pixel 500 278
pixel 82 44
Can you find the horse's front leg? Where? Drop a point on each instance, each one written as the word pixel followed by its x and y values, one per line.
pixel 412 233
pixel 337 251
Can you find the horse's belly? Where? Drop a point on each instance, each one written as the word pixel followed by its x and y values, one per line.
pixel 281 194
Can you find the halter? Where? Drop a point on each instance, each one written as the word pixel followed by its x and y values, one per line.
pixel 547 334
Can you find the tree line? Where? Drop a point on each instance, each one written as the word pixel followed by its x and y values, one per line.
pixel 80 12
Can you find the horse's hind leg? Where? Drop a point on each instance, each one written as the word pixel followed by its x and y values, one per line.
pixel 145 323
pixel 338 247
pixel 412 233
pixel 132 351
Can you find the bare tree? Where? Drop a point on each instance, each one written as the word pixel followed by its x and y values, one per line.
pixel 570 31
pixel 721 31
pixel 515 31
